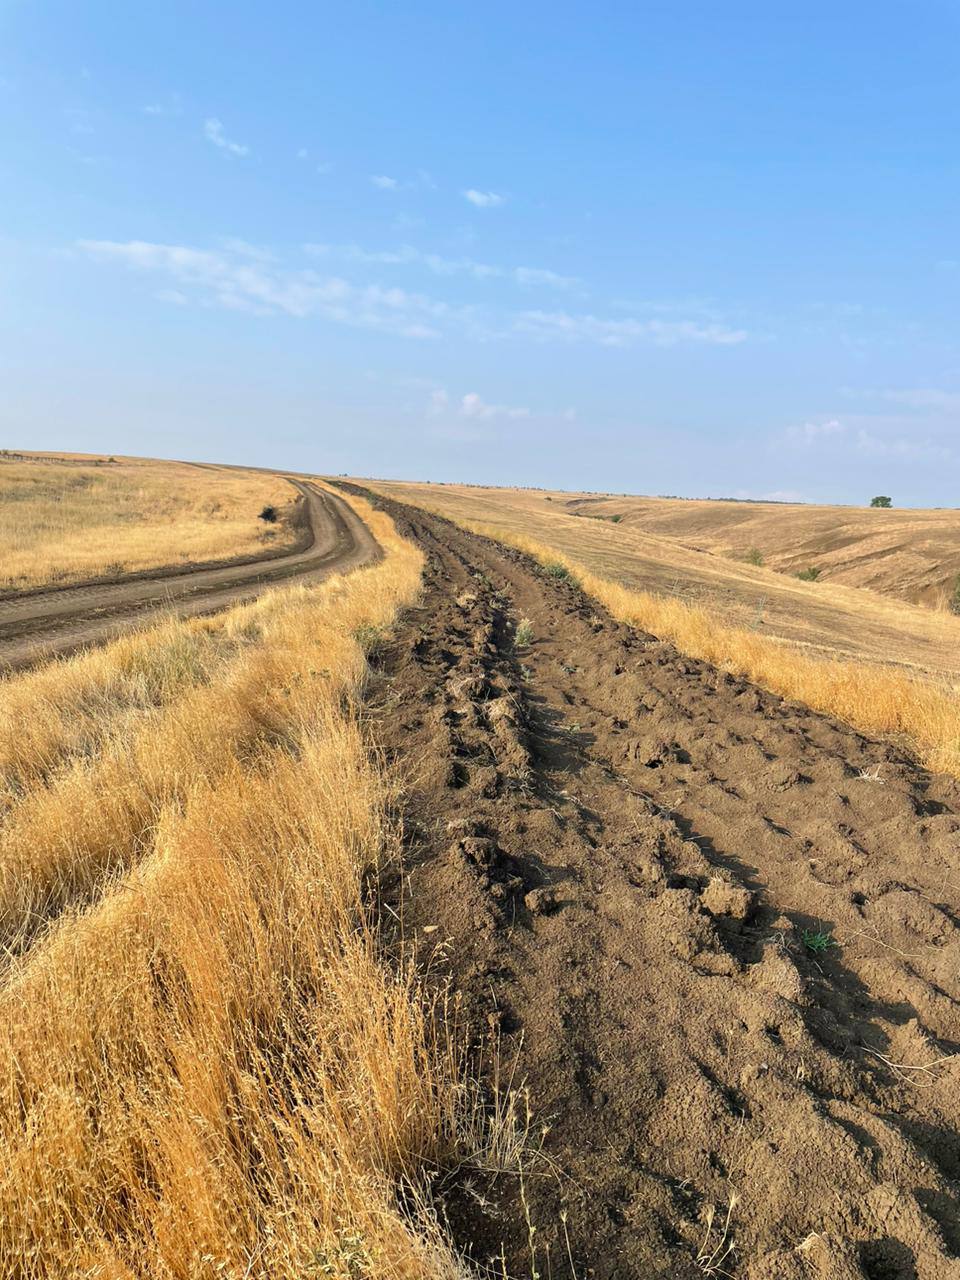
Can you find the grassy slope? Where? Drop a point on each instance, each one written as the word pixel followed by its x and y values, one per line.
pixel 909 555
pixel 65 520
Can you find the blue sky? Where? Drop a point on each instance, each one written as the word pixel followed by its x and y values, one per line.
pixel 690 248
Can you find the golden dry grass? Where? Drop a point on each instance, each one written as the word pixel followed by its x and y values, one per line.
pixel 827 619
pixel 207 1068
pixel 66 520
pixel 878 700
pixel 908 554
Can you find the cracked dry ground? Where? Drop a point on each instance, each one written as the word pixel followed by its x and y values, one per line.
pixel 614 852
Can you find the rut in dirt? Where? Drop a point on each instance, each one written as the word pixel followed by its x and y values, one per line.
pixel 625 860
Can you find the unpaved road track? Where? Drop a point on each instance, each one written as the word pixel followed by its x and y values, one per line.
pixel 614 852
pixel 39 624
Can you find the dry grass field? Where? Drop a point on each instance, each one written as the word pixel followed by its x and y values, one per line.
pixel 71 518
pixel 208 1067
pixel 908 554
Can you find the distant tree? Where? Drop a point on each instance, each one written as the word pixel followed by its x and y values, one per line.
pixel 881 501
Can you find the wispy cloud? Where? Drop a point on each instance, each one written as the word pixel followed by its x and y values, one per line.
pixel 933 398
pixel 472 406
pixel 871 437
pixel 483 199
pixel 903 447
pixel 239 277
pixel 562 326
pixel 810 433
pixel 421 181
pixel 171 105
pixel 407 255
pixel 213 132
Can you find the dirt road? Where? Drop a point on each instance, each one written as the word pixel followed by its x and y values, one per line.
pixel 718 935
pixel 38 624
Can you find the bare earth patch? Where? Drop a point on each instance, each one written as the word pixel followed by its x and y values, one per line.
pixel 713 934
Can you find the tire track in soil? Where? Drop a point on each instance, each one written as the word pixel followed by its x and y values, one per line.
pixel 40 624
pixel 613 852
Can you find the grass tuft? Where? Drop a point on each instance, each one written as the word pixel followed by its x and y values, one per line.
pixel 817 941
pixel 524 634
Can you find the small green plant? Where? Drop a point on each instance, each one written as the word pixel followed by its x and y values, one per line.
pixel 554 569
pixel 817 941
pixel 753 556
pixel 349 1256
pixel 524 633
pixel 881 500
pixel 369 638
pixel 268 515
pixel 810 574
pixel 616 519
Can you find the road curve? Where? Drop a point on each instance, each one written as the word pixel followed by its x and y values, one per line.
pixel 43 624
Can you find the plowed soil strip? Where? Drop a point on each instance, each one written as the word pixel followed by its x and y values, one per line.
pixel 717 932
pixel 36 625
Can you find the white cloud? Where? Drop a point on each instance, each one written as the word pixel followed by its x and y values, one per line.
pixel 472 406
pixel 902 447
pixel 171 106
pixel 560 325
pixel 483 199
pixel 244 249
pixel 536 275
pixel 213 132
pixel 407 255
pixel 809 433
pixel 925 398
pixel 384 182
pixel 302 153
pixel 867 436
pixel 240 278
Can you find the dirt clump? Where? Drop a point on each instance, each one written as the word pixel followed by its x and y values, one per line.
pixel 714 934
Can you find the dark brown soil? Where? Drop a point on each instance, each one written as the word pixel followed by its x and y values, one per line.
pixel 616 854
pixel 39 624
